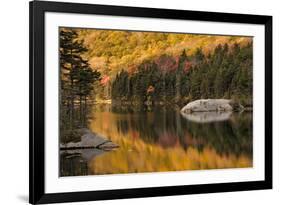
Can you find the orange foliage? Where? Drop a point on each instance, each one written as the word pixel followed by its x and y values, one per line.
pixel 105 80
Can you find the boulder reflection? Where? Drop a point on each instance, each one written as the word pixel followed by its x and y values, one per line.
pixel 206 117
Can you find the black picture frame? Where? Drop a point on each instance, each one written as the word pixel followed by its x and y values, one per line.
pixel 37 194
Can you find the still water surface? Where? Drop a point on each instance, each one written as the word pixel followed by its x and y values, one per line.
pixel 162 139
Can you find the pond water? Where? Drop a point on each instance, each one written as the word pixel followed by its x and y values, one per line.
pixel 153 139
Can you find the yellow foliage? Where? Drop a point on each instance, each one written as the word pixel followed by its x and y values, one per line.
pixel 120 49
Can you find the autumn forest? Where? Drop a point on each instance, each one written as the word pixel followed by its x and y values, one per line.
pixel 115 84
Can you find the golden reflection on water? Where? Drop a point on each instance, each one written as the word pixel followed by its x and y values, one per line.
pixel 137 155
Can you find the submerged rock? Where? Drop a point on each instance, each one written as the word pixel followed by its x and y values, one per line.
pixel 90 140
pixel 208 105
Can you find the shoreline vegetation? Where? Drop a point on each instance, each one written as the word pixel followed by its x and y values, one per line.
pixel 224 74
pixel 237 107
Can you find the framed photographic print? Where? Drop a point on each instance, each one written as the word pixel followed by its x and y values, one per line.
pixel 140 102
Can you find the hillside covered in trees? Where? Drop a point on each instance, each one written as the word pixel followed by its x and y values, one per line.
pixel 110 51
pixel 224 73
pixel 154 67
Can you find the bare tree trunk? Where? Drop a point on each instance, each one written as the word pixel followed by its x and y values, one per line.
pixel 81 108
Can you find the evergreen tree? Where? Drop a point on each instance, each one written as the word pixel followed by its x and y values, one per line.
pixel 77 78
pixel 225 73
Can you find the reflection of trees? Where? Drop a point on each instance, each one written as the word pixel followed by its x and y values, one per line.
pixel 73 165
pixel 75 162
pixel 168 128
pixel 233 136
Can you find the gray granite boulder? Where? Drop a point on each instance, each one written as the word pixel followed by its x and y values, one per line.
pixel 90 140
pixel 208 105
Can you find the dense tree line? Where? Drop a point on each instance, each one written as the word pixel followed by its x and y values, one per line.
pixel 224 73
pixel 77 78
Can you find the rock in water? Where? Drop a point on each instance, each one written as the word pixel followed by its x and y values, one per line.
pixel 208 105
pixel 87 154
pixel 90 140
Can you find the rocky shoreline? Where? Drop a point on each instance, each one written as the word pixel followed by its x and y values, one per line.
pixel 90 140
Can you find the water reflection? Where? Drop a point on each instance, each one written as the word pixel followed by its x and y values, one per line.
pixel 206 117
pixel 162 139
